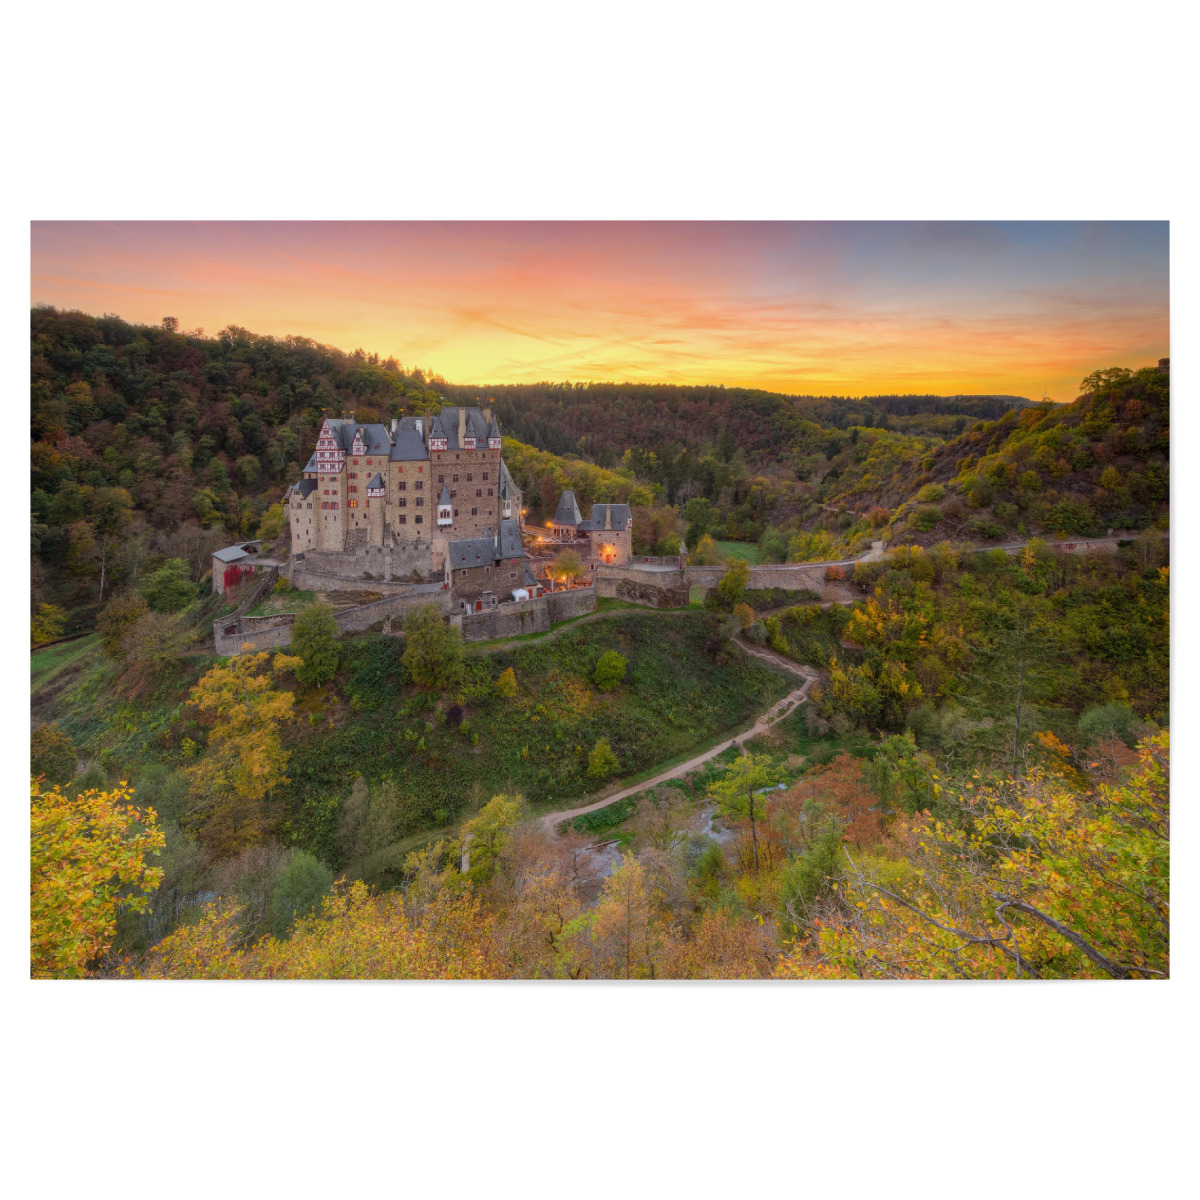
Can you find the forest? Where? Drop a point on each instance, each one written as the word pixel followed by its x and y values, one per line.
pixel 974 785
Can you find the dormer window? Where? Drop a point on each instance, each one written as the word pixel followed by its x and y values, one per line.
pixel 468 443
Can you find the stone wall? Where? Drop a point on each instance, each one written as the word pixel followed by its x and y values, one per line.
pixel 654 586
pixel 396 563
pixel 507 620
pixel 267 633
pixel 573 603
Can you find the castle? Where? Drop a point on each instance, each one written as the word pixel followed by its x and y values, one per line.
pixel 413 487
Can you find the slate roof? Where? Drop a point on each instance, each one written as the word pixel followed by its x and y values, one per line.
pixel 232 553
pixel 567 512
pixel 620 517
pixel 376 481
pixel 494 428
pixel 437 429
pixel 305 487
pixel 510 540
pixel 376 439
pixel 476 426
pixel 444 498
pixel 409 446
pixel 473 552
pixel 507 486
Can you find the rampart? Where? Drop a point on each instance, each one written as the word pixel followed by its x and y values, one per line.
pixel 535 615
pixel 656 586
pixel 394 565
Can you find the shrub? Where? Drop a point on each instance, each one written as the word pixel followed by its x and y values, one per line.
pixel 432 648
pixel 314 639
pixel 120 615
pixel 52 754
pixel 47 624
pixel 732 588
pixel 925 518
pixel 300 889
pixel 744 614
pixel 1006 512
pixel 602 762
pixel 454 715
pixel 610 671
pixel 834 573
pixel 931 493
pixel 983 528
pixel 953 507
pixel 170 589
pixel 506 685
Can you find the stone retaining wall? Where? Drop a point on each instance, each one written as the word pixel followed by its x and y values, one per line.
pixel 574 603
pixel 507 620
pixel 398 563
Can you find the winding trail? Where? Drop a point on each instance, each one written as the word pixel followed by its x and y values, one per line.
pixel 551 820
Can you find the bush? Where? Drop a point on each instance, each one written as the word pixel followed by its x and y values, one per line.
pixel 610 671
pixel 314 639
pixel 52 754
pixel 602 762
pixel 300 889
pixel 506 685
pixel 981 527
pixel 744 614
pixel 732 587
pixel 835 574
pixel 1006 512
pixel 47 624
pixel 170 589
pixel 120 615
pixel 931 493
pixel 432 648
pixel 925 518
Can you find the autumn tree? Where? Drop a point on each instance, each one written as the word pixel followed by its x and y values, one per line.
pixel 602 762
pixel 432 648
pixel 87 862
pixel 506 685
pixel 1024 878
pixel 47 624
pixel 270 525
pixel 116 619
pixel 314 639
pixel 622 936
pixel 487 836
pixel 245 760
pixel 704 553
pixel 735 791
pixel 610 671
pixel 52 754
pixel 744 615
pixel 732 586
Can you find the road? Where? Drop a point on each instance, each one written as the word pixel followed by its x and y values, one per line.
pixel 551 820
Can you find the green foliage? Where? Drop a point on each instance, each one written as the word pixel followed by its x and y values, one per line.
pixel 608 817
pixel 432 649
pixel 47 625
pixel 299 890
pixel 169 589
pixel 1109 722
pixel 314 639
pixel 602 762
pixel 810 877
pixel 506 685
pixel 610 671
pixel 271 524
pixel 931 493
pixel 732 587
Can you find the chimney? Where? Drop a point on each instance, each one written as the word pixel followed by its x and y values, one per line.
pixel 608 516
pixel 487 416
pixel 395 426
pixel 462 425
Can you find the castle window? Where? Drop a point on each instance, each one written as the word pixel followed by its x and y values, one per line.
pixel 474 512
pixel 402 486
pixel 456 512
pixel 354 462
pixel 512 575
pixel 420 470
pixel 403 502
pixel 420 502
pixel 453 478
pixel 479 491
pixel 354 503
pixel 417 519
pixel 441 479
pixel 419 485
pixel 403 520
pixel 453 493
pixel 468 476
pixel 353 474
pixel 489 491
pixel 485 480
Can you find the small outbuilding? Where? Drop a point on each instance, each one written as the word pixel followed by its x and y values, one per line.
pixel 232 564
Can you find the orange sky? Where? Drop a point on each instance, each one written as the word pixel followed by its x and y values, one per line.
pixel 844 308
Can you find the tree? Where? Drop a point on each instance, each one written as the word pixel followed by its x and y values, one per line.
pixel 87 862
pixel 506 685
pixel 1032 878
pixel 699 515
pixel 109 518
pixel 47 624
pixel 488 835
pixel 1108 725
pixel 432 648
pixel 704 553
pixel 314 639
pixel 270 526
pixel 169 589
pixel 610 671
pixel 744 615
pixel 620 938
pixel 304 883
pixel 117 618
pixel 246 759
pixel 52 754
pixel 735 791
pixel 732 586
pixel 567 566
pixel 602 762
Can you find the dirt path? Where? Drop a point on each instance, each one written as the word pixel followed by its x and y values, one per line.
pixel 778 709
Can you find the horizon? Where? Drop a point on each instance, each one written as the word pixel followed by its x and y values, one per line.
pixel 952 308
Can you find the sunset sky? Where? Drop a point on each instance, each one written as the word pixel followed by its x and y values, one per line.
pixel 844 308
